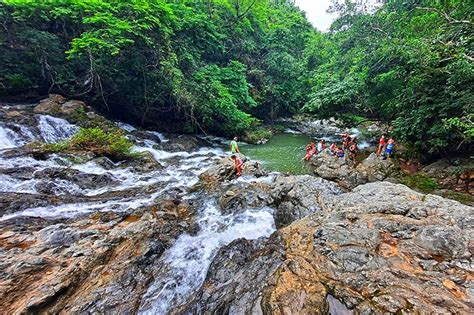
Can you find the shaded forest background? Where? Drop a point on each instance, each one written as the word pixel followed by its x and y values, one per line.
pixel 226 66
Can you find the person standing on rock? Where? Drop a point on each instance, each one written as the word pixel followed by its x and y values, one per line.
pixel 234 147
pixel 381 145
pixel 340 153
pixel 390 146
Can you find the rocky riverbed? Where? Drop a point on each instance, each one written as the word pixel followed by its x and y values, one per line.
pixel 174 231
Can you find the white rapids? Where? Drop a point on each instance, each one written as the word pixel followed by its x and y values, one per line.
pixel 187 262
pixel 9 139
pixel 53 129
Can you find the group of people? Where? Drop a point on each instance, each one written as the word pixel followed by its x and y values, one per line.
pixel 349 146
pixel 385 147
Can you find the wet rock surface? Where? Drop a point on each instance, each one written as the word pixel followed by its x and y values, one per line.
pixel 81 234
pixel 381 248
pixel 226 289
pixel 82 180
pixel 224 171
pixel 295 197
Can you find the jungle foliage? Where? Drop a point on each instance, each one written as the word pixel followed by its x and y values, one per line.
pixel 410 64
pixel 223 66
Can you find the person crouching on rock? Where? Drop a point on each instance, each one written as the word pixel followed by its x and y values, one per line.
pixel 310 150
pixel 333 148
pixel 237 165
pixel 340 153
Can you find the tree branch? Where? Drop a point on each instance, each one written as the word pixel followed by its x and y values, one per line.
pixel 448 18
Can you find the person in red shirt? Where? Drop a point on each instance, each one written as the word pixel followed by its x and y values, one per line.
pixel 237 165
pixel 310 151
pixel 382 144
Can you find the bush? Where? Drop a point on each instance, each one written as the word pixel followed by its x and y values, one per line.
pixel 110 144
pixel 278 128
pixel 257 135
pixel 420 182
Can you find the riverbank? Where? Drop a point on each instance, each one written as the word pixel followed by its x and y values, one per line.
pixel 283 152
pixel 173 230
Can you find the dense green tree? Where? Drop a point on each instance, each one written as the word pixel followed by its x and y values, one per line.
pixel 410 64
pixel 159 61
pixel 223 66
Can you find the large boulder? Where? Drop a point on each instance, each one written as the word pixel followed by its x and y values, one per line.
pixel 347 173
pixel 241 196
pixel 145 135
pixel 376 168
pixel 293 197
pixel 50 105
pixel 144 163
pixel 181 143
pixel 82 180
pixel 87 265
pixel 382 248
pixel 56 104
pixel 340 170
pixel 72 106
pixel 296 197
pixel 232 289
pixel 224 170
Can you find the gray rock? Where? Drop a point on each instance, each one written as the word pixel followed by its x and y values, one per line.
pixel 382 248
pixel 70 107
pixel 50 105
pixel 223 171
pixel 83 180
pixel 231 289
pixel 348 175
pixel 298 196
pixel 143 164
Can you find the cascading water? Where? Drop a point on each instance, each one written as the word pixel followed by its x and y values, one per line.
pixel 53 129
pixel 8 139
pixel 186 263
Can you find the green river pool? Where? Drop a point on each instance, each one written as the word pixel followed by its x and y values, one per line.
pixel 282 153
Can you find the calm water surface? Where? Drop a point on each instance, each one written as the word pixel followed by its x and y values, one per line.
pixel 283 153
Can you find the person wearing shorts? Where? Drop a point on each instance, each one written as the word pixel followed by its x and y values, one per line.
pixel 389 148
pixel 234 147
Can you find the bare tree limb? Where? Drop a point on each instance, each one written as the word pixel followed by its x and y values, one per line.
pixel 448 18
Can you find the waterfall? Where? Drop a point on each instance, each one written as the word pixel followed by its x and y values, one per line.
pixel 53 129
pixel 8 138
pixel 188 260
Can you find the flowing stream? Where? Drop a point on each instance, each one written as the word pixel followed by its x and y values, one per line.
pixel 183 267
pixel 187 261
pixel 185 264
